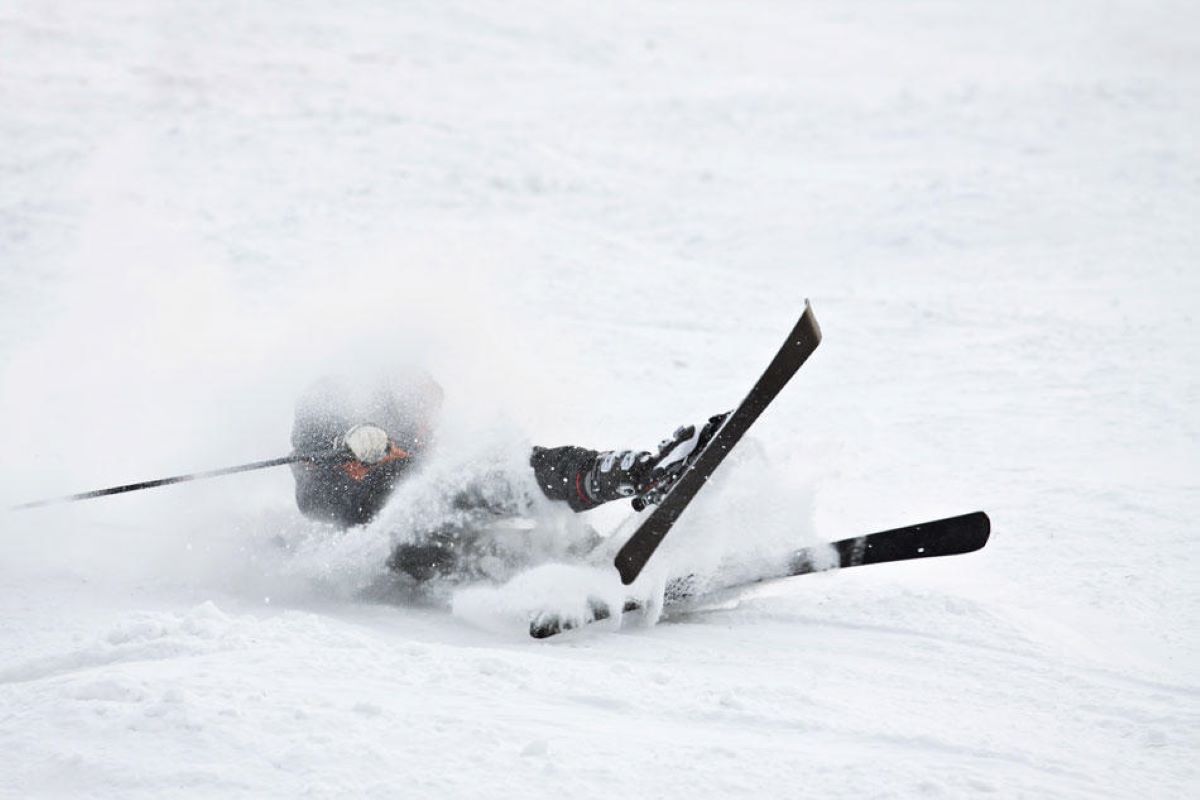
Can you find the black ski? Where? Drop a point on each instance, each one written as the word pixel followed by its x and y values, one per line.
pixel 944 537
pixel 796 349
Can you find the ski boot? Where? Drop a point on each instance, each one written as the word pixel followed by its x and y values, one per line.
pixel 585 478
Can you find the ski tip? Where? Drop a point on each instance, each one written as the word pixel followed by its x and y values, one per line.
pixel 973 528
pixel 811 317
pixel 985 525
pixel 628 567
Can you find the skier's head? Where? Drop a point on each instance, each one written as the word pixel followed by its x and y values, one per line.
pixel 404 401
pixel 413 400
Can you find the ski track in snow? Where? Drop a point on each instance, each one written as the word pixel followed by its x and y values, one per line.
pixel 596 221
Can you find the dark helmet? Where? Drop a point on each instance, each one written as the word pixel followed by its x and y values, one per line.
pixel 404 402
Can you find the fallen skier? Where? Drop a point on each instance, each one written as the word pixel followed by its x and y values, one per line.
pixel 384 430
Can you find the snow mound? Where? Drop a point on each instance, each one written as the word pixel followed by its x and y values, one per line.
pixel 203 630
pixel 567 591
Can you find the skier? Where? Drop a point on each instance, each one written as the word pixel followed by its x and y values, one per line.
pixel 383 429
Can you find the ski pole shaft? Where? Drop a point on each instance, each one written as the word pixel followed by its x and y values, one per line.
pixel 195 476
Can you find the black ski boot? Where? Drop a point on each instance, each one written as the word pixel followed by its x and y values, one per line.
pixel 586 478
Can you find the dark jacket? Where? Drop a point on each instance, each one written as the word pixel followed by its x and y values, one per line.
pixel 346 492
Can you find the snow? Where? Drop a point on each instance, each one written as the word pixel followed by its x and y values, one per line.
pixel 567 591
pixel 594 222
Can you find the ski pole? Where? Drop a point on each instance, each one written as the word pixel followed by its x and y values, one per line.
pixel 195 476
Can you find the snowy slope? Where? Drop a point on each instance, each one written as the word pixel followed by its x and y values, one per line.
pixel 595 221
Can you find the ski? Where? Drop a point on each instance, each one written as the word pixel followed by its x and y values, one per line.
pixel 965 533
pixel 796 349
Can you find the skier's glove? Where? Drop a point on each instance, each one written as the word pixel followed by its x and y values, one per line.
pixel 674 456
pixel 367 443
